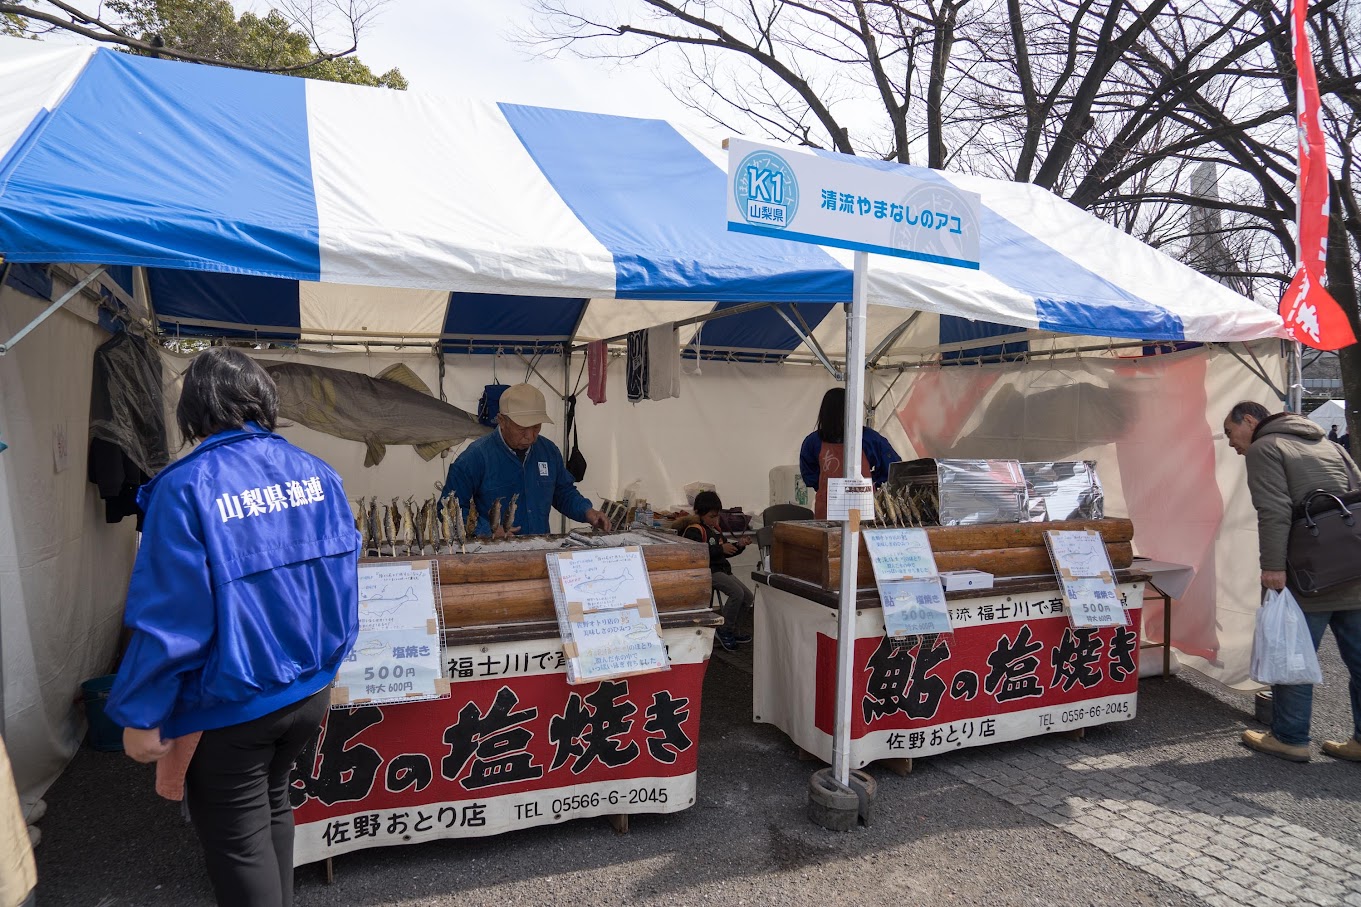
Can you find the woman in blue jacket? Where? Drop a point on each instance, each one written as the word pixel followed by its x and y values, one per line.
pixel 823 451
pixel 242 605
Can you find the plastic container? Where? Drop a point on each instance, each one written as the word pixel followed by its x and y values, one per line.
pixel 105 735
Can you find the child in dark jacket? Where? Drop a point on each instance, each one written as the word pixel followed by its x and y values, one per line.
pixel 703 528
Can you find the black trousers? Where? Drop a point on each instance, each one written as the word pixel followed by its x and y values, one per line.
pixel 237 790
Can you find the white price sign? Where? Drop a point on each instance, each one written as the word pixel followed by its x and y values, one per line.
pixel 1093 602
pixel 845 495
pixel 914 607
pixel 397 655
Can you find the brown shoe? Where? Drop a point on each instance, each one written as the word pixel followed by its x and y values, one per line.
pixel 1264 742
pixel 1351 750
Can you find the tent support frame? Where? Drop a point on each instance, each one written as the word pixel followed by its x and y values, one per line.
pixel 812 344
pixel 51 309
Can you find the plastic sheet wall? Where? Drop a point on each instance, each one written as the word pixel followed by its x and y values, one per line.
pixel 1154 426
pixel 63 570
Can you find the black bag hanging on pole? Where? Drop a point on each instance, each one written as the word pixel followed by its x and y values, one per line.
pixel 489 404
pixel 576 463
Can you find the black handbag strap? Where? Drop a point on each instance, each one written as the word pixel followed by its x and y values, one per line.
pixel 571 421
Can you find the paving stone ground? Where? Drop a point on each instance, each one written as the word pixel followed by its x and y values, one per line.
pixel 1166 810
pixel 1209 845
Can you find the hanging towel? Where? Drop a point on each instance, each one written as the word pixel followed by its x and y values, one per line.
pixel 663 362
pixel 636 372
pixel 597 367
pixel 174 765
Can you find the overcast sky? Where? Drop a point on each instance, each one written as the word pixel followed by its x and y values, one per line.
pixel 462 47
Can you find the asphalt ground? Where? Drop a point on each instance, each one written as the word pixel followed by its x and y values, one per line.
pixel 949 833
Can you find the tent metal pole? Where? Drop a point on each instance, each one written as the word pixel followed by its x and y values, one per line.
pixel 891 338
pixel 811 344
pixel 1295 402
pixel 850 529
pixel 566 392
pixel 52 309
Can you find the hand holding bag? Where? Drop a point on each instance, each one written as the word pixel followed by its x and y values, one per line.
pixel 1282 649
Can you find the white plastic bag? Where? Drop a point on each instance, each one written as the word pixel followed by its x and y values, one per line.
pixel 1282 649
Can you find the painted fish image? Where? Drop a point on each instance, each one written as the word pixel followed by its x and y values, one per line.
pixel 604 584
pixel 387 604
pixel 373 647
pixel 393 407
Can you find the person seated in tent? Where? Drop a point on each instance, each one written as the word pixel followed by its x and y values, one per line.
pixel 703 527
pixel 823 451
pixel 513 476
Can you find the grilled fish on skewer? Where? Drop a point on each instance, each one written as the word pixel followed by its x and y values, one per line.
pixel 510 526
pixel 494 521
pixel 460 528
pixel 446 524
pixel 471 526
pixel 389 531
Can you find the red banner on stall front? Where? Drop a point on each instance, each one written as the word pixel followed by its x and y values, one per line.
pixel 1311 314
pixel 502 753
pixel 994 668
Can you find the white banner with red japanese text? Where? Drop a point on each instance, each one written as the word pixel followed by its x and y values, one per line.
pixel 1013 668
pixel 513 747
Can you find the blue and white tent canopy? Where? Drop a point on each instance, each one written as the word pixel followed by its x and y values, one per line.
pixel 315 209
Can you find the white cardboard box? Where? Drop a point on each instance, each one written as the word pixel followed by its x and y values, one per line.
pixel 956 580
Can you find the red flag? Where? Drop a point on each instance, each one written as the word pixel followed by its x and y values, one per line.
pixel 1311 315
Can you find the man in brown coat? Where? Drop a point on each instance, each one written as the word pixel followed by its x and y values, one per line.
pixel 1289 457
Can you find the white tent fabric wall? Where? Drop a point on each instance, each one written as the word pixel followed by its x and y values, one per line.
pixel 731 424
pixel 1330 413
pixel 63 569
pixel 1154 427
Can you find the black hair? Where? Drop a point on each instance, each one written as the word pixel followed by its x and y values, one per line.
pixel 832 416
pixel 224 389
pixel 1248 408
pixel 707 502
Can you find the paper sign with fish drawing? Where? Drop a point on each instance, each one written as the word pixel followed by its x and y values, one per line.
pixel 606 614
pixel 603 579
pixel 397 655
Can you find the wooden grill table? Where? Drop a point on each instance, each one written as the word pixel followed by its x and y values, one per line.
pixel 515 745
pixel 1013 667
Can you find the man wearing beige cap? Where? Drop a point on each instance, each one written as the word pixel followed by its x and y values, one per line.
pixel 514 460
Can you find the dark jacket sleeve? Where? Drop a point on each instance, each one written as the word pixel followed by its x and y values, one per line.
pixel 1271 498
pixel 880 453
pixel 566 498
pixel 808 460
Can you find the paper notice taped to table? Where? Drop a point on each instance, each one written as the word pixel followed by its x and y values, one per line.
pixel 900 554
pixel 845 495
pixel 1086 580
pixel 914 608
pixel 607 615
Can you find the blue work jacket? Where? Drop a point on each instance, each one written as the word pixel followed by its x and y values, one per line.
pixel 875 447
pixel 245 594
pixel 489 470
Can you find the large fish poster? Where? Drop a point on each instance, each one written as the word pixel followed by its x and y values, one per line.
pixel 397 655
pixel 606 613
